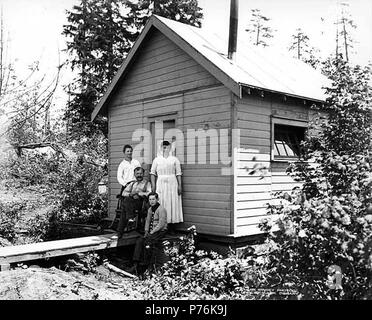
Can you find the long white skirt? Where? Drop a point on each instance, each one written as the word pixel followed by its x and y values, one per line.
pixel 166 187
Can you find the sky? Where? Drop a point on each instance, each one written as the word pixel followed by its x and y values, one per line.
pixel 34 28
pixel 288 15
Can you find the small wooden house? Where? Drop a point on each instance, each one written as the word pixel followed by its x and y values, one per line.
pixel 181 76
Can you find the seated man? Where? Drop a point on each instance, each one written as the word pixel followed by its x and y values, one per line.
pixel 155 229
pixel 135 198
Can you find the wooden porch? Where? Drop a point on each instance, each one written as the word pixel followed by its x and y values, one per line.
pixel 48 249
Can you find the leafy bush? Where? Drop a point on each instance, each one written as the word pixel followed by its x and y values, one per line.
pixel 44 227
pixel 196 274
pixel 78 185
pixel 329 221
pixel 9 215
pixel 72 182
pixel 29 170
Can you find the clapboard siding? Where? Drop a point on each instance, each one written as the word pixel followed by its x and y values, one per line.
pixel 247 221
pixel 207 228
pixel 195 217
pixel 290 110
pixel 185 71
pixel 190 211
pixel 216 117
pixel 144 84
pixel 212 197
pixel 219 189
pixel 165 80
pixel 253 191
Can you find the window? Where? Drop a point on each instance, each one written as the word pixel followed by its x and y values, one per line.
pixel 287 136
pixel 165 124
pixel 287 141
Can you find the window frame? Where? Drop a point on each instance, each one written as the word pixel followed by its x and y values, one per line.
pixel 285 122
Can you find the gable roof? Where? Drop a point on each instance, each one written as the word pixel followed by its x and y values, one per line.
pixel 253 67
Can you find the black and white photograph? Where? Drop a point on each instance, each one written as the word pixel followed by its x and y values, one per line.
pixel 188 154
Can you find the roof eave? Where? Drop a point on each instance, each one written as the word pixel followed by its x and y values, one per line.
pixel 283 93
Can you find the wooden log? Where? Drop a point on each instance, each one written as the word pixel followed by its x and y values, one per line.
pixel 119 271
pixel 81 283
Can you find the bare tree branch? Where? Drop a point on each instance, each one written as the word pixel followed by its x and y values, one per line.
pixel 43 103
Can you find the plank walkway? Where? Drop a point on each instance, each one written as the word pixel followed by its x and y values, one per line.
pixel 47 249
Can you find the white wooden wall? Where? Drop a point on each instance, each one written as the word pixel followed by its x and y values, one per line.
pixel 254 192
pixel 165 80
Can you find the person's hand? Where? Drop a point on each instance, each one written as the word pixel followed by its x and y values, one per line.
pixel 146 234
pixel 135 196
pixel 179 190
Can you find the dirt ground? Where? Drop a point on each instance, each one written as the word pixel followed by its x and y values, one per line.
pixel 35 283
pixel 67 278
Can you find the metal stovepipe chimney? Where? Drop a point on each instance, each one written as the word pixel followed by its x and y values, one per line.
pixel 233 31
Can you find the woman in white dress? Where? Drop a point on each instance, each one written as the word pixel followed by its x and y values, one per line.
pixel 167 183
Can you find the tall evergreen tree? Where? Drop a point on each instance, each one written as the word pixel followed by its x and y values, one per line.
pixel 344 27
pixel 303 51
pixel 101 34
pixel 258 28
pixel 99 41
pixel 185 11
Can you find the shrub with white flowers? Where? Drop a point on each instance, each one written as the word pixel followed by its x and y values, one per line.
pixel 329 221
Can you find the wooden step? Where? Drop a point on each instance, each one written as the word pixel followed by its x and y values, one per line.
pixel 42 250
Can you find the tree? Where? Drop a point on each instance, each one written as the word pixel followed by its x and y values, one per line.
pixel 344 27
pixel 29 123
pixel 8 83
pixel 102 33
pixel 99 41
pixel 25 103
pixel 185 11
pixel 258 28
pixel 300 44
pixel 2 51
pixel 328 222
